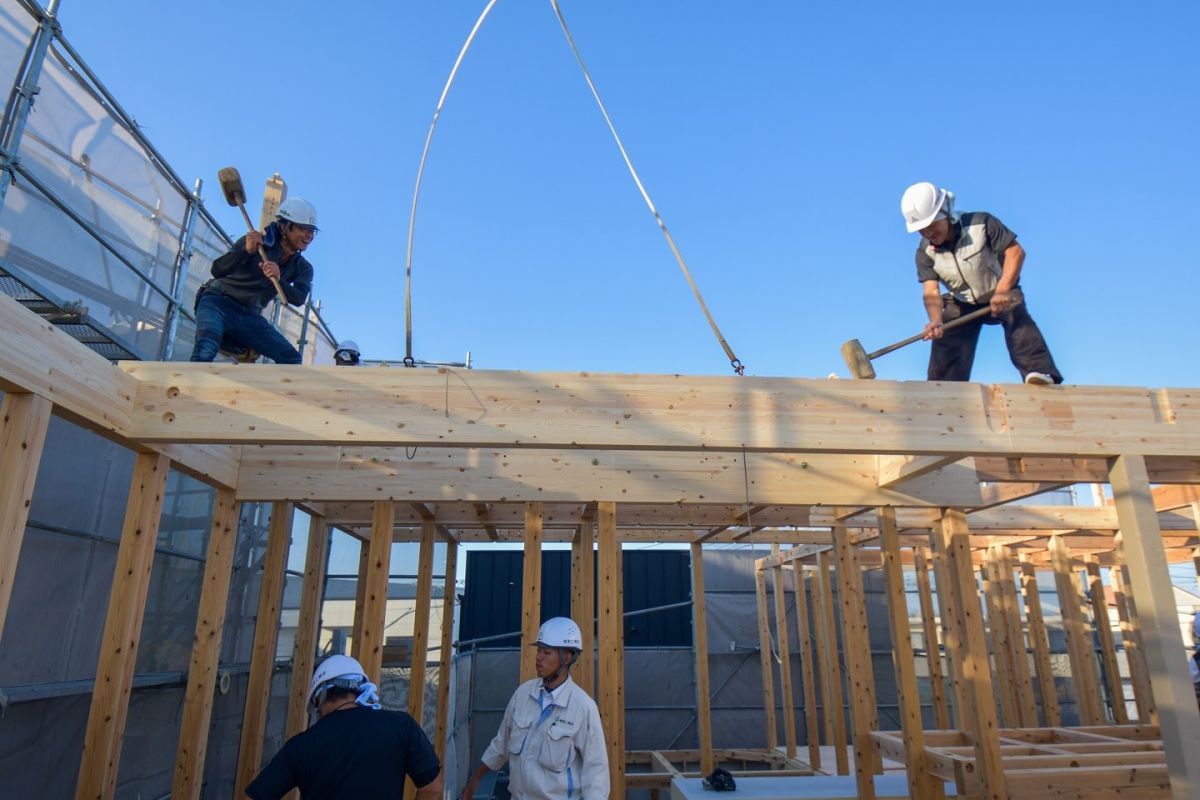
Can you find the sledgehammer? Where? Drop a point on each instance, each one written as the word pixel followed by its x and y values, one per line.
pixel 859 360
pixel 235 195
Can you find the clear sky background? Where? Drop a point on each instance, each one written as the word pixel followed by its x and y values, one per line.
pixel 775 137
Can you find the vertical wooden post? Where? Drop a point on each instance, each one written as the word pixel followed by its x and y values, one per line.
pixel 765 658
pixel 611 644
pixel 583 608
pixel 1150 582
pixel 122 629
pixel 206 649
pixel 921 783
pixel 375 592
pixel 700 645
pixel 1079 650
pixel 980 717
pixel 951 629
pixel 1131 639
pixel 1040 643
pixel 785 658
pixel 266 637
pixel 24 420
pixel 531 597
pixel 446 651
pixel 834 673
pixel 1108 648
pixel 360 594
pixel 1005 681
pixel 420 639
pixel 933 653
pixel 1019 651
pixel 804 640
pixel 825 663
pixel 861 672
pixel 308 625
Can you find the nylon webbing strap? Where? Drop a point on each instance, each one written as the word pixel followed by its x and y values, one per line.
pixel 737 365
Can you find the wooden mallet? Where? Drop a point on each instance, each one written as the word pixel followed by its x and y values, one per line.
pixel 859 360
pixel 235 195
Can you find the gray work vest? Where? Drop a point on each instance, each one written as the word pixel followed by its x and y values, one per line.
pixel 968 268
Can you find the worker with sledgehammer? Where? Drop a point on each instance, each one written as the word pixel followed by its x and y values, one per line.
pixel 230 305
pixel 978 259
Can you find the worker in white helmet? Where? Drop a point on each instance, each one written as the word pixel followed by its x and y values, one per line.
pixel 347 354
pixel 354 750
pixel 551 736
pixel 978 259
pixel 229 307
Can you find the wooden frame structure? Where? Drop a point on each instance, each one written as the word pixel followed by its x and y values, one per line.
pixel 820 466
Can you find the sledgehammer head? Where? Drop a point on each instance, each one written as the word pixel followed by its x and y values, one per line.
pixel 856 359
pixel 231 186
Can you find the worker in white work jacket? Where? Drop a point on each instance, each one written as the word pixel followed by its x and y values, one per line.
pixel 551 736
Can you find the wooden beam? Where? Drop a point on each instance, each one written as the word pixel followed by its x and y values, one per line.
pixel 375 592
pixel 262 654
pixel 1150 583
pixel 1019 653
pixel 700 647
pixel 1079 648
pixel 531 595
pixel 981 717
pixel 860 670
pixel 1108 649
pixel 122 629
pixel 785 659
pixel 611 644
pixel 184 402
pixel 1039 642
pixel 921 782
pixel 421 609
pixel 188 780
pixel 933 653
pixel 1131 640
pixel 308 625
pixel 894 470
pixel 805 644
pixel 1005 680
pixel 360 597
pixel 583 607
pixel 24 420
pixel 446 652
pixel 835 706
pixel 765 650
pixel 952 633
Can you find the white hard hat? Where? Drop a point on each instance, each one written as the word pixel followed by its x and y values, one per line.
pixel 338 671
pixel 347 346
pixel 560 632
pixel 921 204
pixel 297 210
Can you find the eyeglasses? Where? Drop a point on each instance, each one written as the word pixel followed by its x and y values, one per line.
pixel 311 230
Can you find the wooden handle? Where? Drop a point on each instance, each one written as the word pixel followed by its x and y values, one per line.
pixel 263 255
pixel 963 320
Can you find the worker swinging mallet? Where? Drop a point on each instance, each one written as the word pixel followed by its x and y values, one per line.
pixel 235 195
pixel 859 360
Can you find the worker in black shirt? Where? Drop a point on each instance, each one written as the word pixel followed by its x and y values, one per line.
pixel 229 307
pixel 354 751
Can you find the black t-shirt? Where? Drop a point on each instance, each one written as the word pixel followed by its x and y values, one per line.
pixel 354 754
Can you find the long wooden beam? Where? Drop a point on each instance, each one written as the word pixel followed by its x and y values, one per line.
pixel 531 594
pixel 805 644
pixel 183 402
pixel 24 420
pixel 700 646
pixel 765 650
pixel 446 651
pixel 308 624
pixel 611 639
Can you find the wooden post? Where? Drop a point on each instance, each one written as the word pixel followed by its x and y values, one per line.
pixel 122 629
pixel 1005 681
pixel 980 717
pixel 1150 582
pixel 612 643
pixel 824 662
pixel 1079 650
pixel 1019 651
pixel 804 639
pixel 266 637
pixel 785 658
pixel 420 639
pixel 531 598
pixel 700 645
pixel 308 625
pixel 951 629
pixel 921 782
pixel 206 649
pixel 446 651
pixel 836 707
pixel 860 671
pixel 583 608
pixel 765 658
pixel 1131 639
pixel 360 594
pixel 933 653
pixel 375 592
pixel 24 420
pixel 1040 643
pixel 1108 648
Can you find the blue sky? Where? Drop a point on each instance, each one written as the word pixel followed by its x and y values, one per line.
pixel 775 138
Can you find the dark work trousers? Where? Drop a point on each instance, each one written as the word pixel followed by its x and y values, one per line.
pixel 219 318
pixel 953 355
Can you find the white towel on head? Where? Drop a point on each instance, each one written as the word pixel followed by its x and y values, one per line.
pixel 369 696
